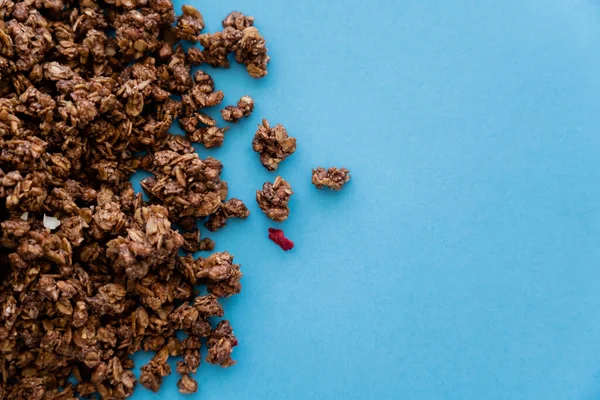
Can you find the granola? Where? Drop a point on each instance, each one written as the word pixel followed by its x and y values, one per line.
pixel 273 199
pixel 243 109
pixel 91 273
pixel 273 144
pixel 333 178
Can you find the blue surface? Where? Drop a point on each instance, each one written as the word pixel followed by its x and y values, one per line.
pixel 461 262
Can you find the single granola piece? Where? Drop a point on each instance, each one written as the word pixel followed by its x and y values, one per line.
pixel 273 144
pixel 190 24
pixel 221 275
pixel 190 122
pixel 220 345
pixel 191 355
pixel 238 21
pixel 187 384
pixel 333 178
pixel 232 208
pixel 252 52
pixel 277 236
pixel 273 199
pixel 235 113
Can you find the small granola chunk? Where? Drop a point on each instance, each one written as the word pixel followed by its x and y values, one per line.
pixel 232 208
pixel 252 52
pixel 235 113
pixel 273 144
pixel 189 24
pixel 238 21
pixel 221 275
pixel 333 178
pixel 273 199
pixel 220 345
pixel 187 384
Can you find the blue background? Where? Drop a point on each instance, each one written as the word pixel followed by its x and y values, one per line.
pixel 461 262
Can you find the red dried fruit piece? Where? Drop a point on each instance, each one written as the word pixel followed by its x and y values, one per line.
pixel 279 238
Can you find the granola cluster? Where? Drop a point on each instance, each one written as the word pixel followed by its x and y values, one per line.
pixel 333 178
pixel 243 109
pixel 89 272
pixel 273 199
pixel 273 144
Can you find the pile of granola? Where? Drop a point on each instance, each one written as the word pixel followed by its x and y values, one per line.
pixel 90 273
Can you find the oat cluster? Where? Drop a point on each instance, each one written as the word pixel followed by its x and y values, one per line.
pixel 333 178
pixel 273 199
pixel 235 113
pixel 89 273
pixel 273 144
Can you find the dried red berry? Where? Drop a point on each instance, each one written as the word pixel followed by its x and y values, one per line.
pixel 279 238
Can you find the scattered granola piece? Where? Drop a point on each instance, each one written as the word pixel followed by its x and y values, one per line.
pixel 277 236
pixel 238 21
pixel 220 274
pixel 252 52
pixel 220 345
pixel 187 384
pixel 333 178
pixel 273 144
pixel 189 24
pixel 235 113
pixel 232 208
pixel 273 199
